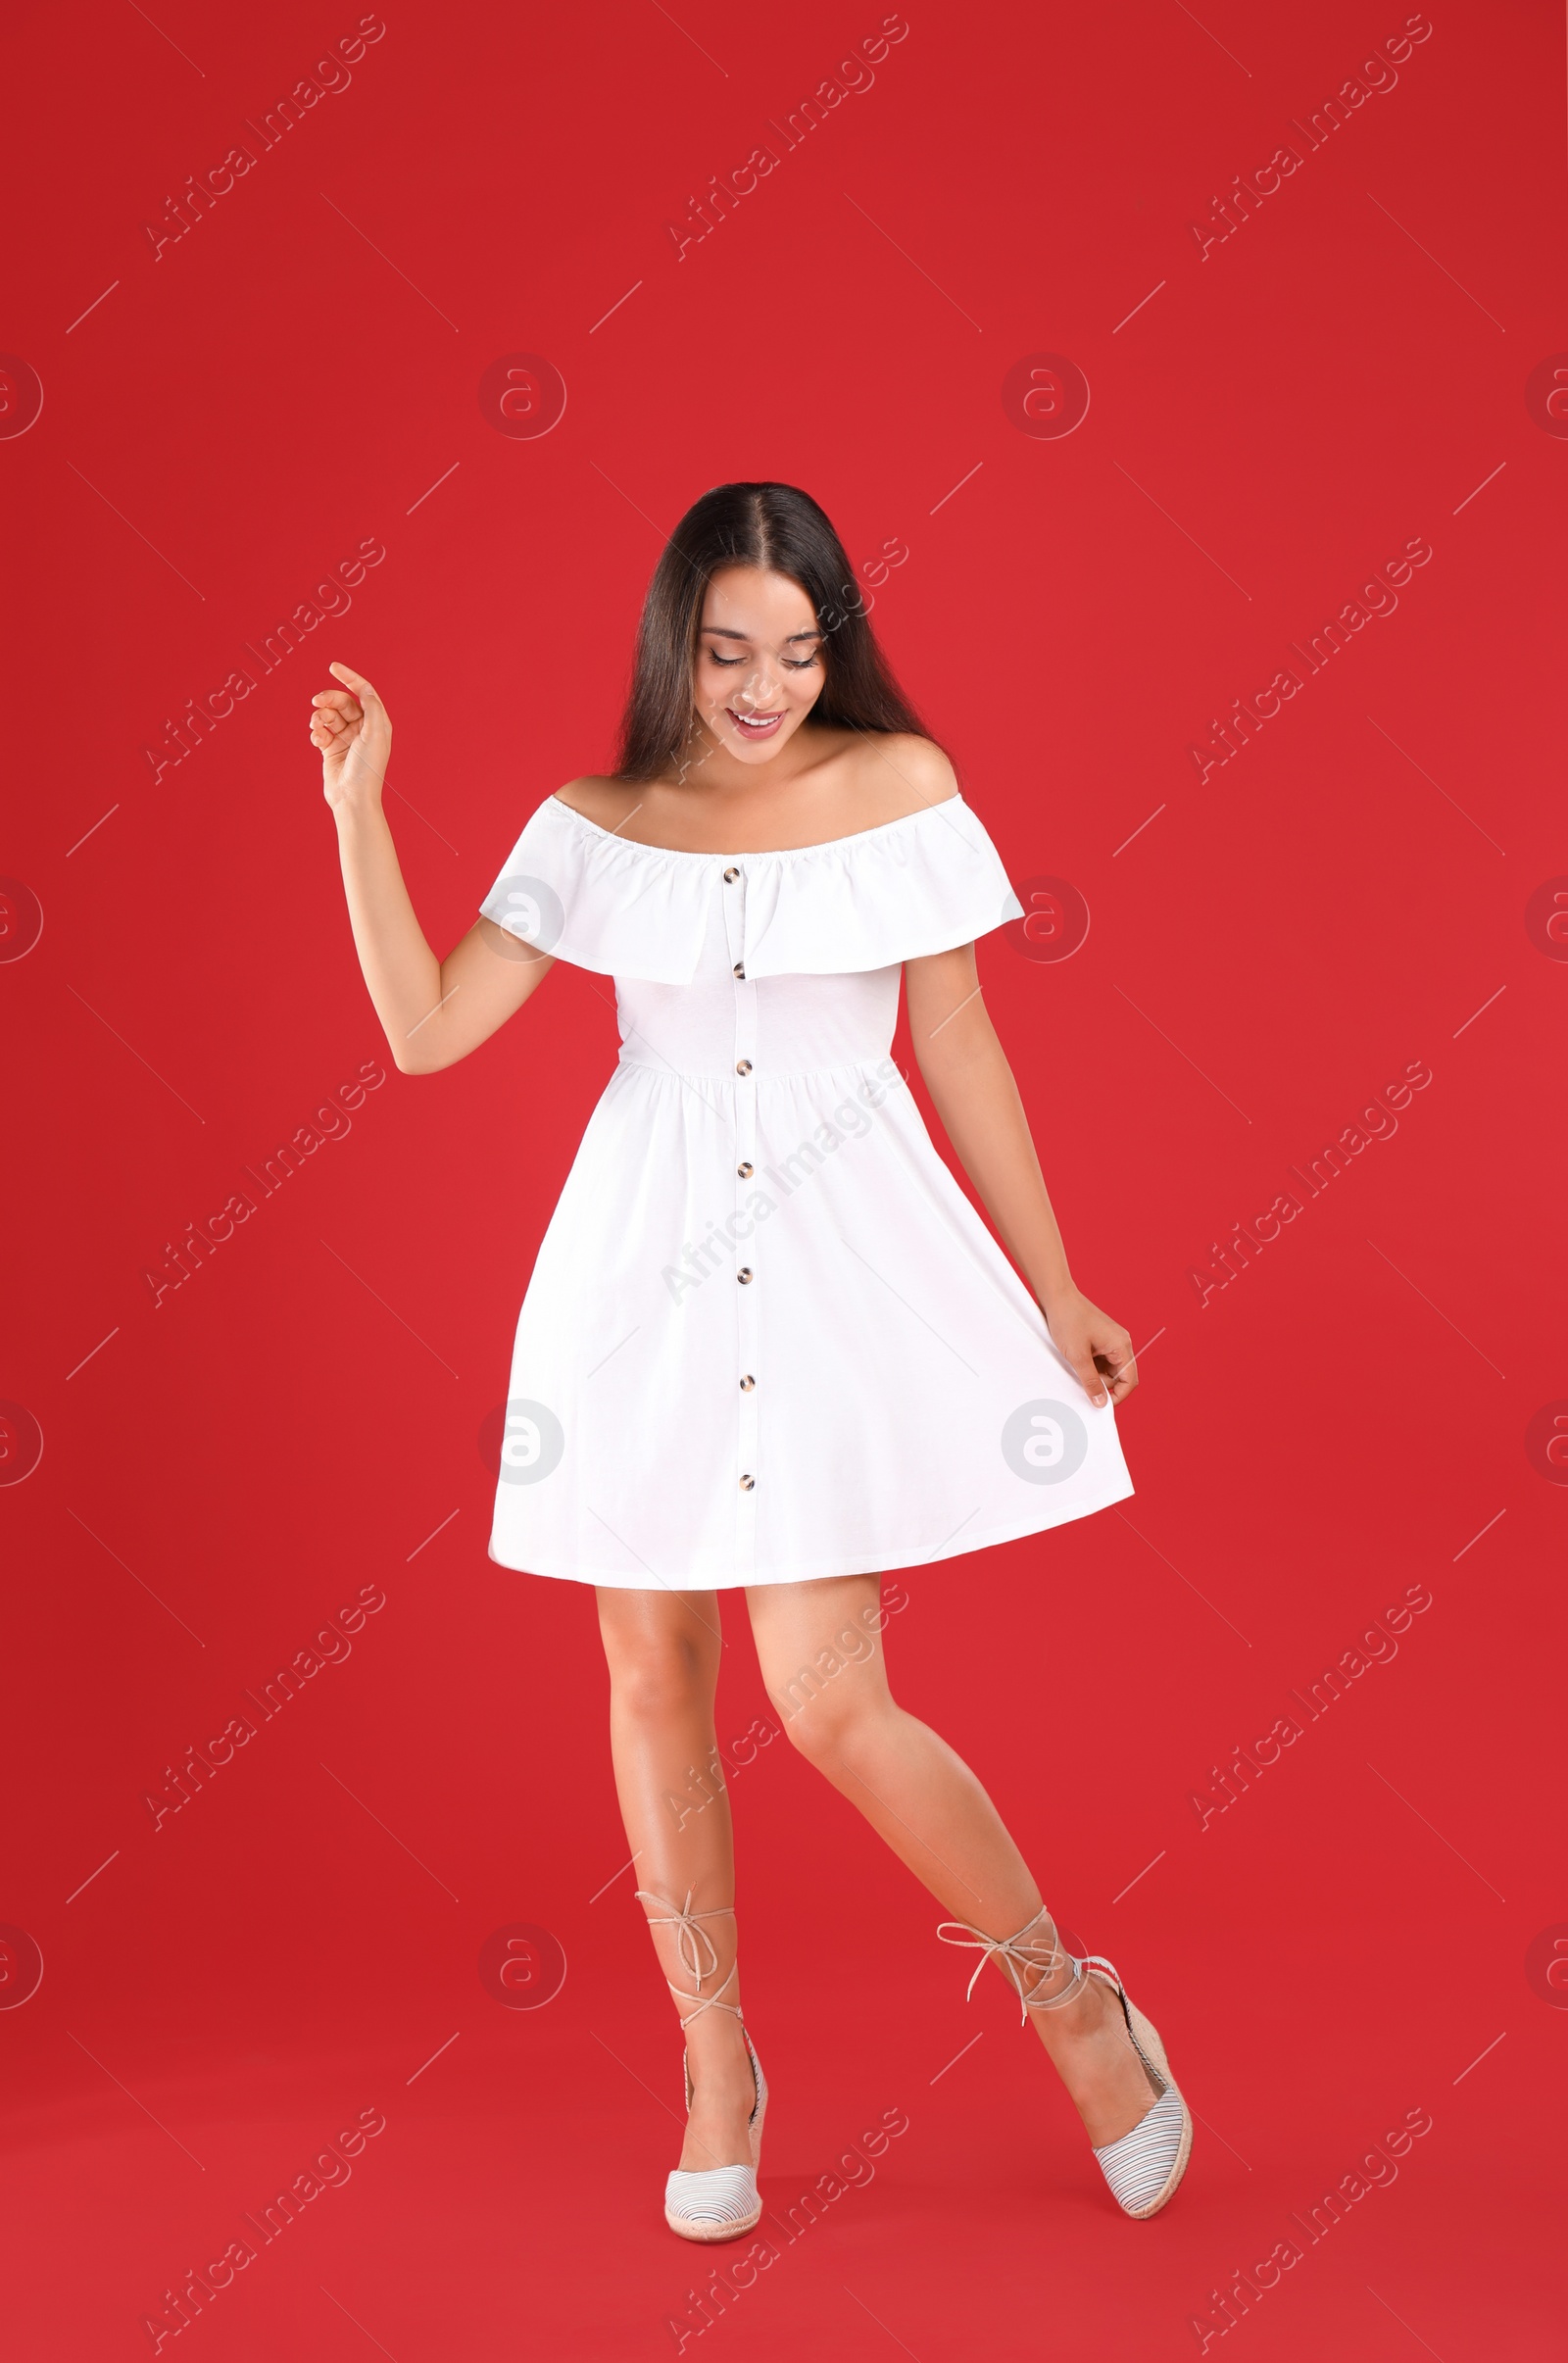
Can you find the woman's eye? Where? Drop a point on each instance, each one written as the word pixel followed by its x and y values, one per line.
pixel 791 663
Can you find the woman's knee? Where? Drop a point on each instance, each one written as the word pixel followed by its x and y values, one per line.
pixel 821 1661
pixel 833 1720
pixel 659 1667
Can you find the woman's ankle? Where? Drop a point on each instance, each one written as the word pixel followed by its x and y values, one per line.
pixel 717 2053
pixel 1049 1974
pixel 1067 2001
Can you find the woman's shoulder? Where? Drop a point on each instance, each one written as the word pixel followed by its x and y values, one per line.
pixel 901 773
pixel 605 801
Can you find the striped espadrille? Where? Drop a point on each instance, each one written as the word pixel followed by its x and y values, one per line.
pixel 1144 2168
pixel 721 2202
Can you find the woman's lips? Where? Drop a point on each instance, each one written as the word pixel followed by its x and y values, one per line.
pixel 760 726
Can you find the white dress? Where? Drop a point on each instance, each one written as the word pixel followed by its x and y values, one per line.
pixel 766 1337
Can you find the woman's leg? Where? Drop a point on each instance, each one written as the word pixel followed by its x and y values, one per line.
pixel 821 1657
pixel 663 1650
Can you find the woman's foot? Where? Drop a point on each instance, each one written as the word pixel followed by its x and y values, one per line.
pixel 1093 2053
pixel 1106 2054
pixel 1079 2019
pixel 713 2202
pixel 723 2095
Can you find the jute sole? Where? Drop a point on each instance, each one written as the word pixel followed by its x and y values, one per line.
pixel 712 2232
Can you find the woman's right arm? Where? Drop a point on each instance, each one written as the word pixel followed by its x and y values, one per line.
pixel 432 1011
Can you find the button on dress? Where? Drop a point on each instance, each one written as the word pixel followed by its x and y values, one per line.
pixel 766 1337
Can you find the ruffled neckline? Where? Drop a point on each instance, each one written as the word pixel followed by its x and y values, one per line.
pixel 917 885
pixel 782 853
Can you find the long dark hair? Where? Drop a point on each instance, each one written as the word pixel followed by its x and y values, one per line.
pixel 781 528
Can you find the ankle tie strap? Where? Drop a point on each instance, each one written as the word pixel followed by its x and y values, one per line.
pixel 1013 1960
pixel 689 1940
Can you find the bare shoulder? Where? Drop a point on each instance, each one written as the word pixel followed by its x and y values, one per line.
pixel 603 801
pixel 899 773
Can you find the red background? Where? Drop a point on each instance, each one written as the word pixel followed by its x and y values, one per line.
pixel 221 1993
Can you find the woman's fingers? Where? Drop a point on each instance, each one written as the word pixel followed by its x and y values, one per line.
pixel 1098 1350
pixel 372 751
pixel 335 716
pixel 350 726
pixel 357 683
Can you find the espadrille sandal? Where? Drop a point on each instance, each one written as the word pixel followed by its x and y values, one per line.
pixel 721 2202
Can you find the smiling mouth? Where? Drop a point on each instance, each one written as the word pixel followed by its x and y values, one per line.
pixel 760 725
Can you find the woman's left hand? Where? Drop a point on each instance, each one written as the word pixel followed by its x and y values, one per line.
pixel 1099 1348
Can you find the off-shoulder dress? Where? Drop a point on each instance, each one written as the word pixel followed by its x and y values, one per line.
pixel 766 1337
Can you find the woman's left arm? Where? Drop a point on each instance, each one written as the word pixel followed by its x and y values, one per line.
pixel 972 1089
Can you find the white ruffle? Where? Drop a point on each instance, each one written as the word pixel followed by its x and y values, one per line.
pixel 919 885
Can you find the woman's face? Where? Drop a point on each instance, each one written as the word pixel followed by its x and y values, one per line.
pixel 758 667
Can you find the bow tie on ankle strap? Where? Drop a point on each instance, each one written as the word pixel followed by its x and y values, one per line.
pixel 682 1917
pixel 1013 1959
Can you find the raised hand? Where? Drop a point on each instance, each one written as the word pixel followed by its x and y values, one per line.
pixel 352 728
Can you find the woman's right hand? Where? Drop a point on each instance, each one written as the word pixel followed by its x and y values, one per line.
pixel 350 727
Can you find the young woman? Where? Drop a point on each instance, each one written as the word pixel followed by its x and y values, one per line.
pixel 768 1344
